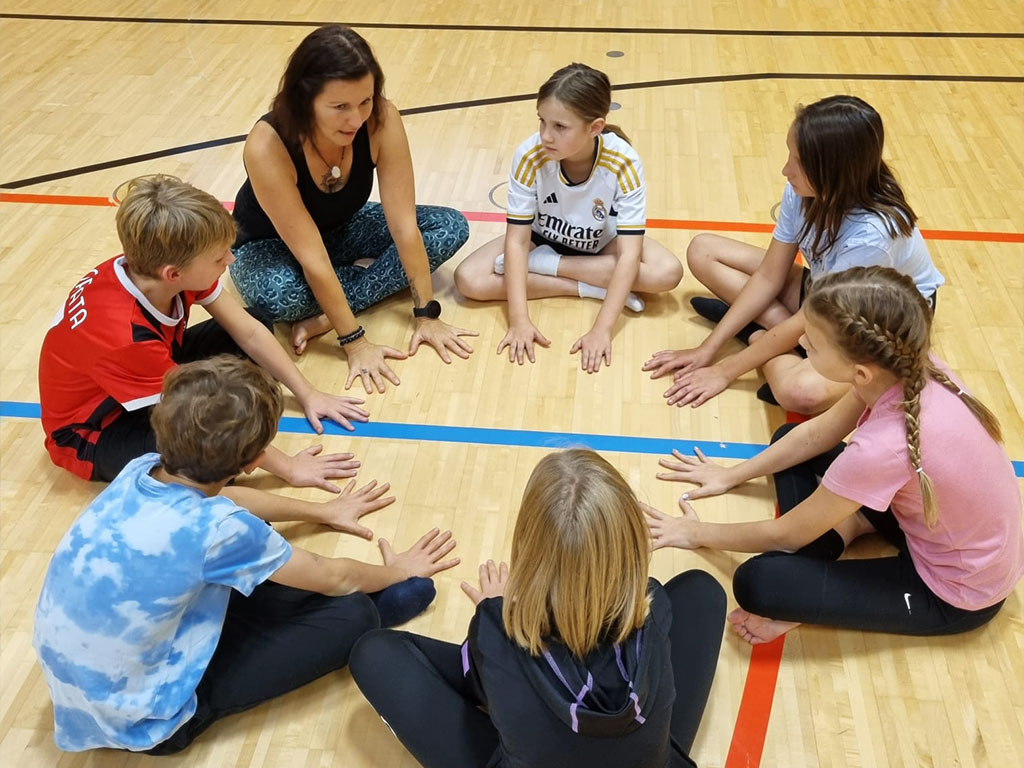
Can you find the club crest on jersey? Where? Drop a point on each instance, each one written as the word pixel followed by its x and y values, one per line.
pixel 598 210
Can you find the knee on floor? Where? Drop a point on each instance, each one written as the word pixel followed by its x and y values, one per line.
pixel 369 651
pixel 752 586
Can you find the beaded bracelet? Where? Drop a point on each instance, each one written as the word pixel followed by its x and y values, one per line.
pixel 358 333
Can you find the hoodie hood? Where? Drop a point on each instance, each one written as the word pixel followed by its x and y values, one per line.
pixel 609 693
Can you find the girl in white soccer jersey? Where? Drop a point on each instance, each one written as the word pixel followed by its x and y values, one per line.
pixel 576 218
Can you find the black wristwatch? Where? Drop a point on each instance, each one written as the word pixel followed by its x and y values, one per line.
pixel 431 309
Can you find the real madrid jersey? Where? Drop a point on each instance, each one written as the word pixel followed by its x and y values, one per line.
pixel 586 216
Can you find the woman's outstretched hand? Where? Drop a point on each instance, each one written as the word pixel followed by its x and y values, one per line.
pixel 367 361
pixel 442 337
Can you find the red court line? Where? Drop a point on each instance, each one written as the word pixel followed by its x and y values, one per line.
pixel 755 710
pixel 14 197
pixel 496 216
pixel 756 706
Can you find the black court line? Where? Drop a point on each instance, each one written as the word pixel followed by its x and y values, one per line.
pixel 453 105
pixel 523 28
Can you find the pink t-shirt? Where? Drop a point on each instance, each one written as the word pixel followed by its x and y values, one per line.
pixel 974 556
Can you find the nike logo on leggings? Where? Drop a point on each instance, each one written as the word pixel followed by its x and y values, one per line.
pixel 906 598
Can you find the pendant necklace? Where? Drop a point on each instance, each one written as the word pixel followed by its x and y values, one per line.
pixel 332 179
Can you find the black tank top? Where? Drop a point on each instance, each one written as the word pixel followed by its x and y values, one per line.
pixel 328 211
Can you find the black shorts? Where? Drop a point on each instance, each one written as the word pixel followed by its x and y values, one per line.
pixel 559 248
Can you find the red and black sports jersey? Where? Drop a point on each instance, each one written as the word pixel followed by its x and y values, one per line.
pixel 106 352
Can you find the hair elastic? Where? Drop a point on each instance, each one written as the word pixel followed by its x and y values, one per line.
pixel 960 392
pixel 919 470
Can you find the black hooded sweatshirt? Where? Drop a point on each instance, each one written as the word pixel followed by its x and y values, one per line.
pixel 611 709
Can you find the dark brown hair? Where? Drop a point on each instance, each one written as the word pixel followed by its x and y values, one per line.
pixel 876 315
pixel 584 90
pixel 333 52
pixel 166 221
pixel 215 417
pixel 840 141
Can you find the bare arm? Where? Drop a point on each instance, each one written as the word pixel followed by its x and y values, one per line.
pixel 763 287
pixel 342 512
pixel 777 341
pixel 522 333
pixel 397 185
pixel 820 512
pixel 343 576
pixel 335 576
pixel 398 198
pixel 517 249
pixel 596 345
pixel 261 346
pixel 627 266
pixel 698 385
pixel 810 439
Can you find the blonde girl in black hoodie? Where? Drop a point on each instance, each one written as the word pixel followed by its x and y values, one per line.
pixel 577 656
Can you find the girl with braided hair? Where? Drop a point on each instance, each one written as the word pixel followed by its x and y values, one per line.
pixel 924 468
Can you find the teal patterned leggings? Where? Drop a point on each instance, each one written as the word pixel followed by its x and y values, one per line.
pixel 271 280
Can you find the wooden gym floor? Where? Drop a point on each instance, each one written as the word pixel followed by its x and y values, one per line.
pixel 707 92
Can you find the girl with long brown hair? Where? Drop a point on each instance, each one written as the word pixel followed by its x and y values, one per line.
pixel 577 204
pixel 924 467
pixel 842 207
pixel 578 657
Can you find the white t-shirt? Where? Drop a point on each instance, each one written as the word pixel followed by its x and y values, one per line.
pixel 587 216
pixel 863 241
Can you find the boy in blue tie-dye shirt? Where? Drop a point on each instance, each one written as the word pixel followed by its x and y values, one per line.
pixel 167 606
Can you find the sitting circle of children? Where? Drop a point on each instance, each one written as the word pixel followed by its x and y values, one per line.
pixel 172 602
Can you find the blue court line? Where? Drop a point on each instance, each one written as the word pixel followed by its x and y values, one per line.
pixel 484 436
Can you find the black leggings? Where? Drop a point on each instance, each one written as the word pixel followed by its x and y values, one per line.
pixel 130 435
pixel 882 594
pixel 274 641
pixel 416 684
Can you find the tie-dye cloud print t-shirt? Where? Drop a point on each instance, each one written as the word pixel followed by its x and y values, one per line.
pixel 134 602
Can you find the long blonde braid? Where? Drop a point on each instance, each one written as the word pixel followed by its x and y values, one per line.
pixel 878 316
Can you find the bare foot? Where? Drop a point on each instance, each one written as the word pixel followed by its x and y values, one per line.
pixel 307 329
pixel 757 629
